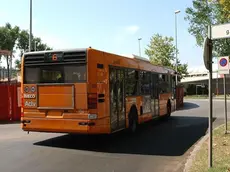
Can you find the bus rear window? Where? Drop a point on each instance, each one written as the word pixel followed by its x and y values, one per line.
pixel 31 75
pixel 55 74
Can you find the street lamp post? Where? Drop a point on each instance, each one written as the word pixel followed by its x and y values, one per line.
pixel 35 46
pixel 139 40
pixel 176 12
pixel 30 37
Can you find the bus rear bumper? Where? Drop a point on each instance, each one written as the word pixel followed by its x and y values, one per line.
pixel 64 126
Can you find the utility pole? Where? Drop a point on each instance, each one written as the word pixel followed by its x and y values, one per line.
pixel 210 155
pixel 176 12
pixel 139 41
pixel 30 37
pixel 35 46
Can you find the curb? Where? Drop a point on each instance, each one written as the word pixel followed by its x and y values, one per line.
pixel 197 147
pixel 204 100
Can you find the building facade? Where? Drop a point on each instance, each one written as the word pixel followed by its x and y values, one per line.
pixel 197 81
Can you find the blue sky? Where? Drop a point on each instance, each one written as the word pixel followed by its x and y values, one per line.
pixel 112 26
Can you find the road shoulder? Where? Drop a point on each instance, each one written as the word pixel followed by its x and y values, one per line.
pixel 197 148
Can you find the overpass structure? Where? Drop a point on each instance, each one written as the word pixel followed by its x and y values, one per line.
pixel 199 76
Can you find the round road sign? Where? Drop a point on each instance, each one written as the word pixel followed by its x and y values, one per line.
pixel 223 62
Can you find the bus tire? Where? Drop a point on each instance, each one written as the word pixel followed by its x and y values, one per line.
pixel 133 119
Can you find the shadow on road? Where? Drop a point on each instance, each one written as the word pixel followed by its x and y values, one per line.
pixel 170 138
pixel 9 122
pixel 188 106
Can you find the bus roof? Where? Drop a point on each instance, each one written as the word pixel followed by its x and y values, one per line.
pixel 131 57
pixel 143 60
pixel 56 50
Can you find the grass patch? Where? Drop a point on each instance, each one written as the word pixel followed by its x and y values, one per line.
pixel 221 153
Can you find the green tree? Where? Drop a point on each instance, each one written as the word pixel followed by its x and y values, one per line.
pixel 8 38
pixel 161 51
pixel 40 46
pixel 181 68
pixel 18 64
pixel 23 41
pixel 13 37
pixel 202 14
pixel 225 5
pixel 23 45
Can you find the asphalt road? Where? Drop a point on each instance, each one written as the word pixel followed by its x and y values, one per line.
pixel 158 146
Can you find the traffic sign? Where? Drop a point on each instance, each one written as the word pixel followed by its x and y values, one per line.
pixel 206 50
pixel 220 31
pixel 223 62
pixel 223 65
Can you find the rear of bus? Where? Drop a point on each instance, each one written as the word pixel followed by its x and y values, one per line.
pixel 54 93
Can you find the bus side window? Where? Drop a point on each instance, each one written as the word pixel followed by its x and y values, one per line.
pixel 131 82
pixel 160 83
pixel 145 82
pixel 162 86
pixel 154 85
pixel 135 90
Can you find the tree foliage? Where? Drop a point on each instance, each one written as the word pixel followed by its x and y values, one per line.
pixel 13 37
pixel 23 42
pixel 202 14
pixel 8 36
pixel 18 64
pixel 225 5
pixel 161 51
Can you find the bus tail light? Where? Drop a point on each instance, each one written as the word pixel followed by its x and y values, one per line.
pixel 92 101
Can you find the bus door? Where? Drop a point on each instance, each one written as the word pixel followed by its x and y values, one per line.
pixel 117 99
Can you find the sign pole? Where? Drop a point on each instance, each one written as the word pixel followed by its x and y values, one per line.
pixel 215 32
pixel 196 90
pixel 210 96
pixel 225 106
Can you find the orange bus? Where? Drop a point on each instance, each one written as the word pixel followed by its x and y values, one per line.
pixel 92 92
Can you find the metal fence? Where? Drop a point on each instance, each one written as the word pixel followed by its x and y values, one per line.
pixel 10 104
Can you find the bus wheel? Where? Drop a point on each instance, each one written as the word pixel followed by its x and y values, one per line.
pixel 133 119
